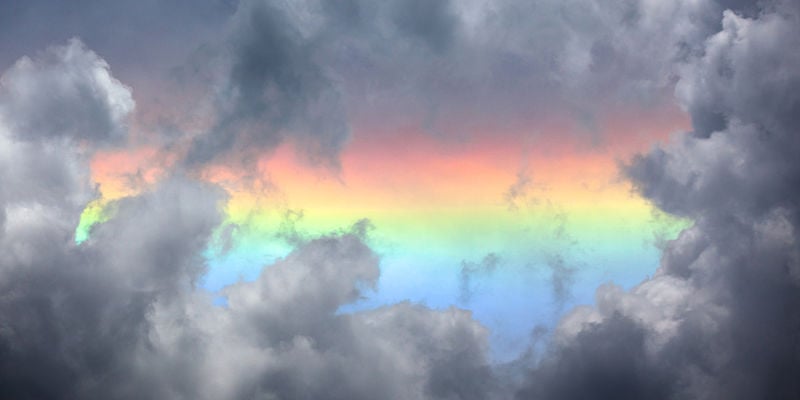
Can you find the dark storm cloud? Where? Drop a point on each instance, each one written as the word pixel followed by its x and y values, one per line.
pixel 266 71
pixel 120 316
pixel 720 317
pixel 606 361
pixel 274 88
pixel 123 321
pixel 303 70
pixel 431 22
pixel 76 319
pixel 279 83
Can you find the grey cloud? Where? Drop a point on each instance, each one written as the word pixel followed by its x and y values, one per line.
pixel 432 22
pixel 143 40
pixel 69 326
pixel 288 229
pixel 518 190
pixel 120 315
pixel 76 319
pixel 282 81
pixel 468 272
pixel 63 97
pixel 557 261
pixel 144 37
pixel 605 361
pixel 66 91
pixel 274 88
pixel 400 351
pixel 307 287
pixel 699 327
pixel 562 276
pixel 302 71
pixel 124 321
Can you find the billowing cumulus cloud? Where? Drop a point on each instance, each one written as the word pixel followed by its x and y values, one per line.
pixel 121 316
pixel 67 92
pixel 53 110
pixel 719 318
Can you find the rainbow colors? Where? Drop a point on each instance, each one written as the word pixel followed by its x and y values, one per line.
pixel 555 216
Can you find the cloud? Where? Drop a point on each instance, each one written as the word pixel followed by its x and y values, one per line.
pixel 121 318
pixel 604 361
pixel 54 110
pixel 76 318
pixel 562 276
pixel 139 38
pixel 120 315
pixel 432 23
pixel 66 92
pixel 485 267
pixel 305 71
pixel 281 81
pixel 274 89
pixel 698 328
pixel 518 190
pixel 289 316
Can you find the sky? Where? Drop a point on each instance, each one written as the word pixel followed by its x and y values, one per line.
pixel 406 199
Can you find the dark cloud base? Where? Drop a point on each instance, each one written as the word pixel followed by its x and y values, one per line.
pixel 120 316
